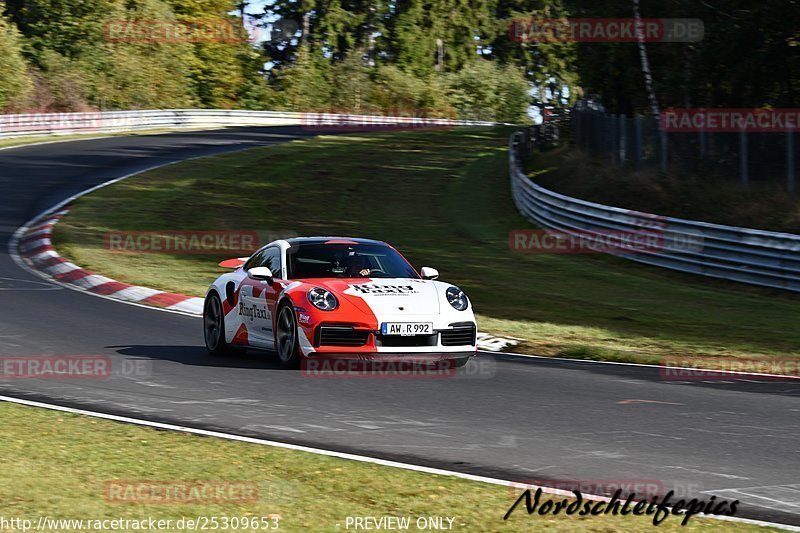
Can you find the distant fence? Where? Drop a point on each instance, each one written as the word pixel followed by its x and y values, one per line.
pixel 641 142
pixel 739 254
pixel 122 121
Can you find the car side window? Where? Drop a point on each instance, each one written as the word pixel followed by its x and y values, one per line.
pixel 255 260
pixel 272 260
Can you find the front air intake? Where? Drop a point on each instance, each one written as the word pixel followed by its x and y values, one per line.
pixel 341 336
pixel 459 336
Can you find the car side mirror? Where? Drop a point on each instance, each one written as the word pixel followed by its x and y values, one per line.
pixel 261 274
pixel 429 273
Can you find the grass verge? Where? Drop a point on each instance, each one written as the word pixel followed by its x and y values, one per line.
pixel 443 199
pixel 58 465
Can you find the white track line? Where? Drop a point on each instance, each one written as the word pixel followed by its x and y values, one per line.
pixel 352 457
pixel 693 369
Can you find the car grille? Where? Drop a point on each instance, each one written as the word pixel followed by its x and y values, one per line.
pixel 341 336
pixel 459 336
pixel 399 341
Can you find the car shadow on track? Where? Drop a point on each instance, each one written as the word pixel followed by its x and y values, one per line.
pixel 199 356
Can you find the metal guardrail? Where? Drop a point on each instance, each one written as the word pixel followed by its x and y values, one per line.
pixel 122 121
pixel 752 256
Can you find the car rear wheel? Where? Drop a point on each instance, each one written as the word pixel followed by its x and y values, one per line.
pixel 286 342
pixel 214 326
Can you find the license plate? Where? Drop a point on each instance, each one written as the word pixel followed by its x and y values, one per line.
pixel 406 329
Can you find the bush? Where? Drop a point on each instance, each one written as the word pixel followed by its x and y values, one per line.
pixel 16 85
pixel 487 91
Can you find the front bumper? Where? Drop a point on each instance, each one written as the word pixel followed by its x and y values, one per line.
pixel 337 338
pixel 398 357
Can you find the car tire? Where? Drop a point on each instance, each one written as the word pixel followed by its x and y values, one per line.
pixel 287 344
pixel 214 326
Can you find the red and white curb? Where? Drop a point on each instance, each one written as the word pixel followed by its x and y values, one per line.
pixel 36 249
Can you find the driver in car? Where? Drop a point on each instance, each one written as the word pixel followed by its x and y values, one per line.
pixel 359 266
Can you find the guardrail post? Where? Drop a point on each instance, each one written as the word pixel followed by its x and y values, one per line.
pixel 743 176
pixel 637 123
pixel 791 183
pixel 586 125
pixel 663 142
pixel 599 129
pixel 701 136
pixel 612 138
pixel 702 141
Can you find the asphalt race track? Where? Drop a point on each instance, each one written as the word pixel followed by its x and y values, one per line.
pixel 520 419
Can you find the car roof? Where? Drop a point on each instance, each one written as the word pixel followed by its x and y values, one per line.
pixel 330 240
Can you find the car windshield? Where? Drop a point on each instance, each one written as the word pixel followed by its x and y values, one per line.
pixel 347 261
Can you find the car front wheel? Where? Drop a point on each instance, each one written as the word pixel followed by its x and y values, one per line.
pixel 286 342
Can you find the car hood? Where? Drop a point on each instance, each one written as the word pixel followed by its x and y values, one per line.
pixel 386 296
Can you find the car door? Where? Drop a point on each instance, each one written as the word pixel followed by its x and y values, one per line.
pixel 257 299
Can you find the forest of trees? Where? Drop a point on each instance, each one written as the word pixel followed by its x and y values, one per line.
pixel 442 56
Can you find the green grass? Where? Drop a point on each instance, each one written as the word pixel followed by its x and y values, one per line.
pixel 443 199
pixel 58 464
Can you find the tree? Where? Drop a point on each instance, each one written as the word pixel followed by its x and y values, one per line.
pixel 398 91
pixel 424 37
pixel 305 83
pixel 551 67
pixel 487 91
pixel 220 71
pixel 748 56
pixel 351 85
pixel 67 27
pixel 16 84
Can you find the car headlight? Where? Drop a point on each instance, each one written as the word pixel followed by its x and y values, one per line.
pixel 322 299
pixel 457 298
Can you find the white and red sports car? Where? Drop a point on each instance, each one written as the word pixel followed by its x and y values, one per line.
pixel 317 297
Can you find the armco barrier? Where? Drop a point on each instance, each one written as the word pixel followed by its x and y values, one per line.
pixel 122 121
pixel 752 256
